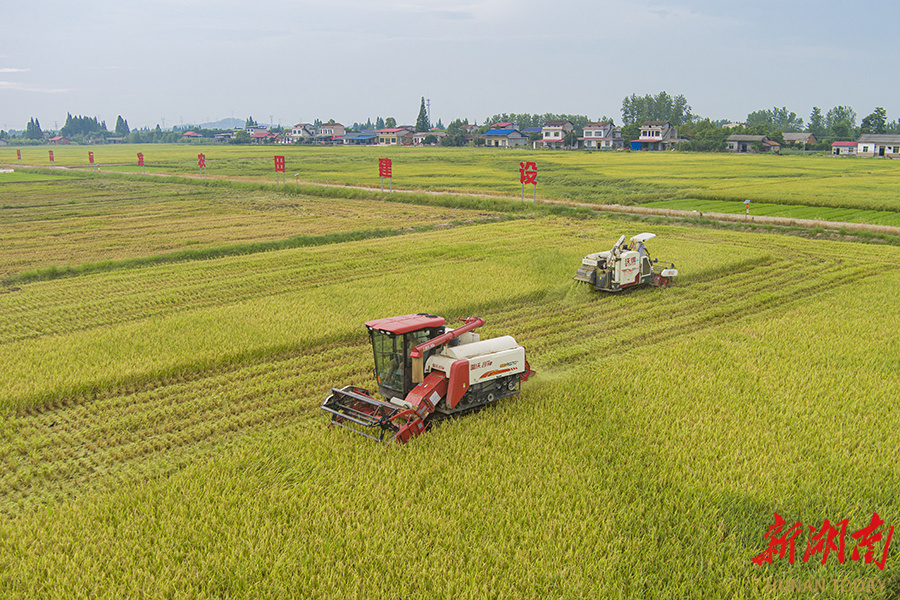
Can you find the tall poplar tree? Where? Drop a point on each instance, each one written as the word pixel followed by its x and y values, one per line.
pixel 422 123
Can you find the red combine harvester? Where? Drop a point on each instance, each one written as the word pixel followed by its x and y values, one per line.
pixel 425 372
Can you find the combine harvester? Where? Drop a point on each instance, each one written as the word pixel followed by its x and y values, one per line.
pixel 624 267
pixel 427 372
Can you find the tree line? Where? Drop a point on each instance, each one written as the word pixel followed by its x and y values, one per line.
pixel 703 134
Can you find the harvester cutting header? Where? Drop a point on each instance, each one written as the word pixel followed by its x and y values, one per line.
pixel 624 266
pixel 426 371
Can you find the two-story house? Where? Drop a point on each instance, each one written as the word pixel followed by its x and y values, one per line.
pixel 330 130
pixel 302 132
pixel 602 136
pixel 656 135
pixel 554 134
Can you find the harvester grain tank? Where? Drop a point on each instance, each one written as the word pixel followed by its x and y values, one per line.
pixel 624 266
pixel 425 372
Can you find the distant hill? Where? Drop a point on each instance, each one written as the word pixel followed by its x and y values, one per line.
pixel 230 123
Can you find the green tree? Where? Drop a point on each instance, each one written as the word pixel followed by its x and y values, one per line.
pixel 456 133
pixel 704 136
pixel 780 119
pixel 82 126
pixel 33 130
pixel 240 137
pixel 817 125
pixel 841 121
pixel 662 107
pixel 422 123
pixel 875 122
pixel 122 127
pixel 390 122
pixel 379 123
pixel 631 131
pixel 249 122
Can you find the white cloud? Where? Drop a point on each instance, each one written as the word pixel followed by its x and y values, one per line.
pixel 26 87
pixel 13 70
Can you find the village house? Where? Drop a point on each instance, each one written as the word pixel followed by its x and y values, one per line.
pixel 554 134
pixel 366 137
pixel 395 136
pixel 602 136
pixel 879 144
pixel 504 138
pixel 844 148
pixel 656 135
pixel 800 139
pixel 418 138
pixel 262 137
pixel 330 130
pixel 302 132
pixel 741 142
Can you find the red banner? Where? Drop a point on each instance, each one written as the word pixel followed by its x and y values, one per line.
pixel 91 157
pixel 51 155
pixel 528 173
pixel 140 159
pixel 19 154
pixel 279 164
pixel 384 167
pixel 201 160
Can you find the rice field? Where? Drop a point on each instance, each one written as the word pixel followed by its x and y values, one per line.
pixel 160 434
pixel 812 182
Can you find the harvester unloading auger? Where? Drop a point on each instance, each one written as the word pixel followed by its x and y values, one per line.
pixel 425 371
pixel 624 266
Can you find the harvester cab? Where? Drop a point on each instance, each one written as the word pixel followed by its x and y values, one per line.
pixel 425 371
pixel 624 266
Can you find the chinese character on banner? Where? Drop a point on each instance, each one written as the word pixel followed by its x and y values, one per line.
pixel 279 164
pixel 51 155
pixel 91 157
pixel 528 173
pixel 779 543
pixel 384 167
pixel 140 159
pixel 19 155
pixel 201 161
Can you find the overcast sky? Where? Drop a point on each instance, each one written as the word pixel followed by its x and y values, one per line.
pixel 193 61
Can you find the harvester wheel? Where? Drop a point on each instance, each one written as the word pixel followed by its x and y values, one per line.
pixel 511 386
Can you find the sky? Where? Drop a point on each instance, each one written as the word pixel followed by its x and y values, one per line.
pixel 175 62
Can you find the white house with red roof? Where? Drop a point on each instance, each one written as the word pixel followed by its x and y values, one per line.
pixel 843 148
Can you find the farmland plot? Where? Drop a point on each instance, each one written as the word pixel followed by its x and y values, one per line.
pixel 171 414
